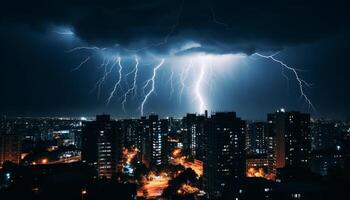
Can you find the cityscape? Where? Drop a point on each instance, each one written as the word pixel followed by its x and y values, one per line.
pixel 200 156
pixel 174 100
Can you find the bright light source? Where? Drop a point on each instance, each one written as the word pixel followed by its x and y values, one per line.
pixel 8 176
pixel 44 161
pixel 197 70
pixel 83 191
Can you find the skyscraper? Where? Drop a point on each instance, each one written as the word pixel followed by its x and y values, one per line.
pixel 154 132
pixel 225 165
pixel 289 138
pixel 195 135
pixel 190 133
pixel 327 147
pixel 130 134
pixel 101 144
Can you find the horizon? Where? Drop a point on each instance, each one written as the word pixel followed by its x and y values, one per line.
pixel 93 116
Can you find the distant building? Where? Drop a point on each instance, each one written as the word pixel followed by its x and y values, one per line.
pixel 130 133
pixel 327 147
pixel 10 148
pixel 256 138
pixel 289 140
pixel 326 135
pixel 190 134
pixel 323 160
pixel 154 134
pixel 101 145
pixel 225 164
pixel 195 135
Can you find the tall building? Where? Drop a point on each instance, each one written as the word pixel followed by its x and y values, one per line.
pixel 225 164
pixel 131 136
pixel 101 145
pixel 189 132
pixel 195 135
pixel 154 134
pixel 256 138
pixel 202 135
pixel 173 139
pixel 289 140
pixel 327 147
pixel 10 148
pixel 326 135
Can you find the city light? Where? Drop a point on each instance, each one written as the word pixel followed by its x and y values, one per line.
pixel 44 161
pixel 153 185
pixel 178 159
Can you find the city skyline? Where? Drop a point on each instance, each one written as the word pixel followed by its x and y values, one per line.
pixel 209 156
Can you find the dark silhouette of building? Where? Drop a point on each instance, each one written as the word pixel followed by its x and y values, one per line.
pixel 10 148
pixel 68 181
pixel 189 132
pixel 225 163
pixel 326 135
pixel 323 160
pixel 101 145
pixel 256 138
pixel 289 140
pixel 131 137
pixel 194 135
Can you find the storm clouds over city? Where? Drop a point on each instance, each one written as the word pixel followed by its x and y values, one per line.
pixel 85 57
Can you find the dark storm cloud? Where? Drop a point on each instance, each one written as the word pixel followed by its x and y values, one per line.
pixel 219 26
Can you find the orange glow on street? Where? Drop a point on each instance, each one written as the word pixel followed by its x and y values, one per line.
pixel 187 189
pixel 178 159
pixel 153 185
pixel 260 172
pixel 44 161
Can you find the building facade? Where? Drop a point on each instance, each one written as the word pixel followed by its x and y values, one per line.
pixel 10 148
pixel 225 164
pixel 102 145
pixel 289 140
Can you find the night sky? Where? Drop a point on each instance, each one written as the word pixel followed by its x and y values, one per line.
pixel 216 39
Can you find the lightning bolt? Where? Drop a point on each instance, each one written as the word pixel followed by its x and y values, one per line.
pixel 201 104
pixel 117 83
pixel 150 81
pixel 100 82
pixel 133 88
pixel 183 77
pixel 81 64
pixel 301 82
pixel 104 64
pixel 84 48
pixel 171 83
pixel 129 73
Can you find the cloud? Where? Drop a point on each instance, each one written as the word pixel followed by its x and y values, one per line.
pixel 219 26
